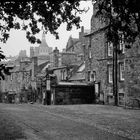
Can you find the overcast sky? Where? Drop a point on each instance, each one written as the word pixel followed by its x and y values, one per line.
pixel 18 41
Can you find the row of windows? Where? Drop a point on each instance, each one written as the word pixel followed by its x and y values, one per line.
pixel 43 50
pixel 20 76
pixel 91 76
pixel 121 72
pixel 121 47
pixel 110 47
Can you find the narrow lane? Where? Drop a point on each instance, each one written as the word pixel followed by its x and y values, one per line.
pixel 39 123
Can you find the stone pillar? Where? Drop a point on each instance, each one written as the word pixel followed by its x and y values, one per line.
pixel 34 61
pixel 56 57
pixel 132 76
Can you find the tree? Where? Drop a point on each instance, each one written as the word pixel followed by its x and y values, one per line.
pixel 121 16
pixel 32 16
pixel 49 14
pixel 3 68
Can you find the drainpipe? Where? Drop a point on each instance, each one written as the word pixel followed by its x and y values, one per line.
pixel 115 79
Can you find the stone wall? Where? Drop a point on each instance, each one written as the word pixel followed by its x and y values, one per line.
pixel 99 60
pixel 73 94
pixel 132 75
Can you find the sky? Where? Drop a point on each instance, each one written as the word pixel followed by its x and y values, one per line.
pixel 17 40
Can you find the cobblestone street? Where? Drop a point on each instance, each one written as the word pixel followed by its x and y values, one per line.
pixel 70 122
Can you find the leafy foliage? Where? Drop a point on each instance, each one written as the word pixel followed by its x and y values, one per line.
pixel 122 16
pixel 33 16
pixel 4 69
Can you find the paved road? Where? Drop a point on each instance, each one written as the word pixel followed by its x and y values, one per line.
pixel 78 122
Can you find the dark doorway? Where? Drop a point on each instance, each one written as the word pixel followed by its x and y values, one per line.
pixel 48 97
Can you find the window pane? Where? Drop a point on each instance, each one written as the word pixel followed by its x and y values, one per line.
pixel 110 74
pixel 88 76
pixel 122 44
pixel 122 71
pixel 110 49
pixel 89 52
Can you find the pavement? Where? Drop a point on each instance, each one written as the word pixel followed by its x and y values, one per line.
pixel 74 122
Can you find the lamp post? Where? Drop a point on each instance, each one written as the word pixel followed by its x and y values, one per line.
pixel 48 86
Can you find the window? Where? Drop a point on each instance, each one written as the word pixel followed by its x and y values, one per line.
pixel 122 44
pixel 89 51
pixel 110 48
pixel 110 74
pixel 122 70
pixel 62 75
pixel 93 76
pixel 88 76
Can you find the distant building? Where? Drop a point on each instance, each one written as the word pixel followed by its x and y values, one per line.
pixel 42 51
pixel 22 53
pixel 75 45
pixel 67 62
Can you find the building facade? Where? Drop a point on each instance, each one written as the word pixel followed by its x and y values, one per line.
pixel 99 64
pixel 71 58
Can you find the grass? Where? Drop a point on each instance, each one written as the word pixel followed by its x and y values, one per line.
pixel 9 130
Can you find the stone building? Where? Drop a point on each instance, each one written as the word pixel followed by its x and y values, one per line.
pixel 23 84
pixel 13 84
pixel 70 59
pixel 132 74
pixel 99 64
pixel 22 53
pixel 75 45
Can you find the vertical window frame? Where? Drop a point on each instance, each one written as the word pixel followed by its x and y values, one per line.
pixel 122 44
pixel 89 76
pixel 89 52
pixel 110 49
pixel 121 71
pixel 110 73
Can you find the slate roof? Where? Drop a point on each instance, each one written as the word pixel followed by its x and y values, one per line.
pixel 79 74
pixel 71 84
pixel 41 66
pixel 71 42
pixel 15 69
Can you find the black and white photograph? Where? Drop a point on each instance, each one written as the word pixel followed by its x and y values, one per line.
pixel 70 70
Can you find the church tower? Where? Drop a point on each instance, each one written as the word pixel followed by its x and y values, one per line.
pixel 44 49
pixel 43 36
